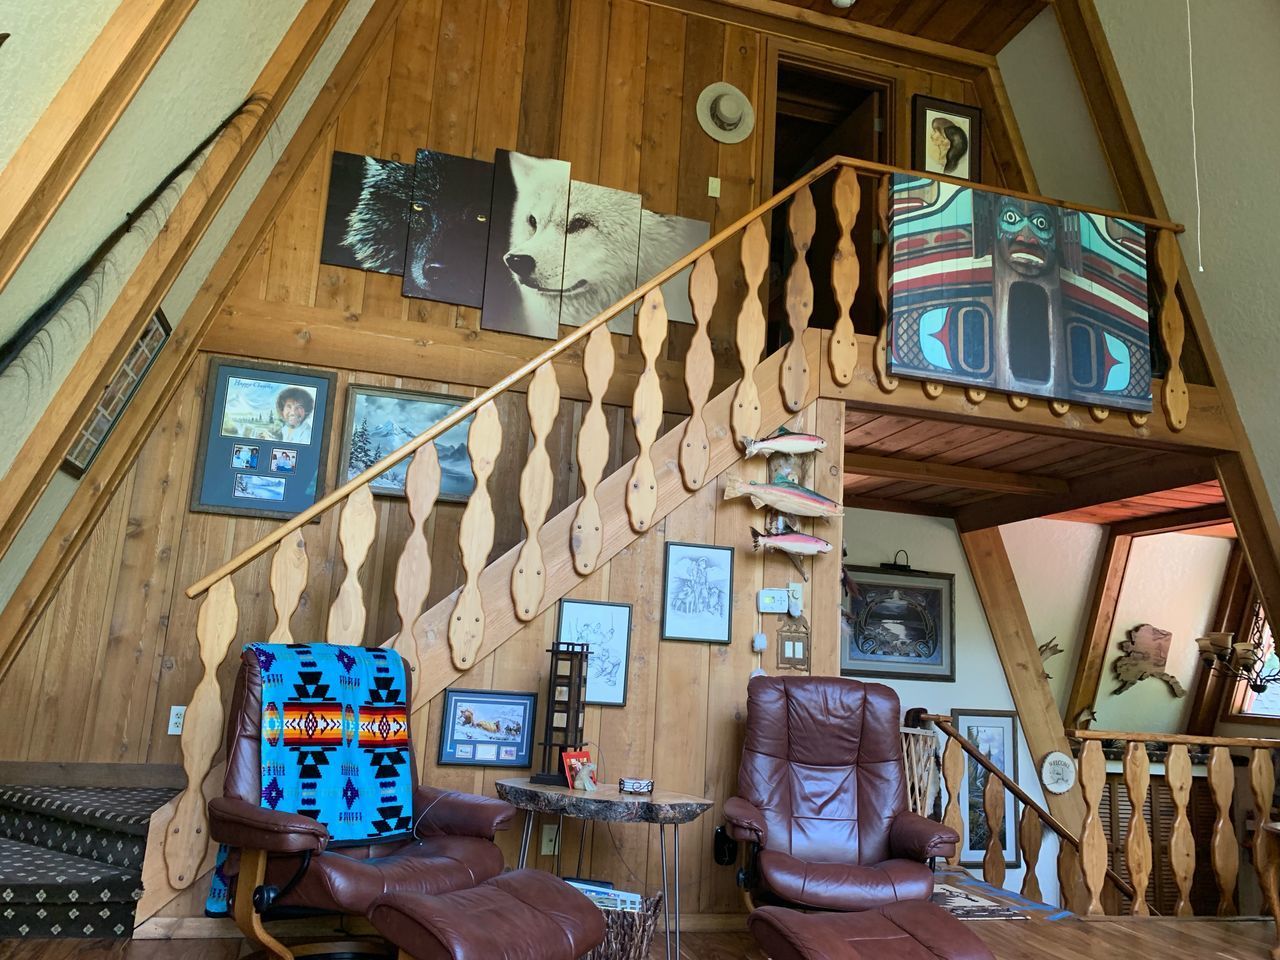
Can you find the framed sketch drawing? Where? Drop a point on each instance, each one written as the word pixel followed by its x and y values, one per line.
pixel 995 733
pixel 900 624
pixel 487 728
pixel 946 138
pixel 379 421
pixel 606 629
pixel 259 417
pixel 697 593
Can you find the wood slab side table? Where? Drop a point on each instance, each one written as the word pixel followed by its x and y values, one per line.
pixel 608 804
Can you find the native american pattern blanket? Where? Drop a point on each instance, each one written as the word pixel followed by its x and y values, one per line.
pixel 335 744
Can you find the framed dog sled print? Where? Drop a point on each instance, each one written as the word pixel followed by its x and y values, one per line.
pixel 697 593
pixel 898 624
pixel 487 728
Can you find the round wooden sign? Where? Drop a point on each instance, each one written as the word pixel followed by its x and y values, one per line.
pixel 1058 772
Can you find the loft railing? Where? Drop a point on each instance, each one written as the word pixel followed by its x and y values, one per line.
pixel 185 844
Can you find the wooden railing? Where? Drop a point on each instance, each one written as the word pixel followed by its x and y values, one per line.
pixel 185 843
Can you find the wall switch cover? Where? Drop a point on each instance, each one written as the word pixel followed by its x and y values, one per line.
pixel 176 716
pixel 772 600
pixel 795 600
pixel 550 840
pixel 713 186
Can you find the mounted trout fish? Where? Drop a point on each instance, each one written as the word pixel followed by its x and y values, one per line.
pixel 784 497
pixel 784 441
pixel 794 544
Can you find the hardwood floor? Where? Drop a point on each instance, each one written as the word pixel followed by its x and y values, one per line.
pixel 1163 938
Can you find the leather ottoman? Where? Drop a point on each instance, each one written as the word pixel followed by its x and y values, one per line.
pixel 907 930
pixel 525 915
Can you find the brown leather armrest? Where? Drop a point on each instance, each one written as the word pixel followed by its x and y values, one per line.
pixel 913 837
pixel 238 823
pixel 458 814
pixel 745 822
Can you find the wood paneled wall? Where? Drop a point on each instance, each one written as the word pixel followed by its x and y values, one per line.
pixel 610 86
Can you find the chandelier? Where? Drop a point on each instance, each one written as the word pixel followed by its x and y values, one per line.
pixel 1242 662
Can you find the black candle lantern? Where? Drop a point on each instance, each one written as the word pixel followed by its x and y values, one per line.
pixel 566 716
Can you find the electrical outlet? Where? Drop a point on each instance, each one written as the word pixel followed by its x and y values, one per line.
pixel 713 187
pixel 176 716
pixel 550 844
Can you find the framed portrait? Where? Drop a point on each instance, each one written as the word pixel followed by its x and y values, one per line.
pixel 264 439
pixel 379 421
pixel 946 138
pixel 116 396
pixel 898 624
pixel 995 733
pixel 606 629
pixel 697 593
pixel 487 728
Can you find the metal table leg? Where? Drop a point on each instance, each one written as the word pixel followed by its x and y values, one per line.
pixel 666 893
pixel 524 839
pixel 675 830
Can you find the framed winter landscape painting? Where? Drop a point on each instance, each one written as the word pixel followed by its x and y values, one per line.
pixel 697 591
pixel 606 629
pixel 995 733
pixel 379 421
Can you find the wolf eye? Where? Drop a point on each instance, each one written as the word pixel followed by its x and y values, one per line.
pixel 578 223
pixel 533 222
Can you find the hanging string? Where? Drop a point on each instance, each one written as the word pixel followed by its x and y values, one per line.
pixel 1195 155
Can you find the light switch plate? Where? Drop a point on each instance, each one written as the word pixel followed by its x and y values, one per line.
pixel 550 840
pixel 176 716
pixel 713 187
pixel 772 600
pixel 796 591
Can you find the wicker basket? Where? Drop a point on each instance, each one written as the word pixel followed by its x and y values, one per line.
pixel 628 936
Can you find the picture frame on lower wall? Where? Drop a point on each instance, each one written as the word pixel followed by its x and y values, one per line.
pixel 995 733
pixel 487 728
pixel 898 624
pixel 697 593
pixel 264 439
pixel 606 629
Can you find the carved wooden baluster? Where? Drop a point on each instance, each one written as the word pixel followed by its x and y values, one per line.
pixel 288 580
pixel 646 412
pixel 1093 844
pixel 1226 855
pixel 1182 846
pixel 413 573
pixel 993 806
pixel 593 451
pixel 1262 784
pixel 186 840
pixel 802 221
pixel 1070 887
pixel 746 401
pixel 1030 837
pixel 529 578
pixel 1176 399
pixel 953 776
pixel 356 530
pixel 846 197
pixel 881 360
pixel 1137 846
pixel 475 538
pixel 699 371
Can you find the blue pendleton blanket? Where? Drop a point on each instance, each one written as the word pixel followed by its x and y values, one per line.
pixel 335 744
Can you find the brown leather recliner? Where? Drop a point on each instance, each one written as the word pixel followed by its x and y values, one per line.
pixel 452 847
pixel 823 802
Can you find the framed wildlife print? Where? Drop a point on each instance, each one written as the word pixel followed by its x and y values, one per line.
pixel 946 138
pixel 487 728
pixel 995 733
pixel 697 591
pixel 264 439
pixel 606 629
pixel 379 421
pixel 898 624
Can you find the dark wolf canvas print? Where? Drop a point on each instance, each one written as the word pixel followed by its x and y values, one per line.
pixel 1026 297
pixel 448 229
pixel 366 221
pixel 524 276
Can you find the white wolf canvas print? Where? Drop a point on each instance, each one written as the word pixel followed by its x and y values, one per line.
pixel 366 222
pixel 664 239
pixel 601 253
pixel 448 229
pixel 524 276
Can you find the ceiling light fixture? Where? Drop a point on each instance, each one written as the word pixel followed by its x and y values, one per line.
pixel 842 4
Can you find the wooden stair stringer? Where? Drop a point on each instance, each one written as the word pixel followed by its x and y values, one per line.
pixel 501 624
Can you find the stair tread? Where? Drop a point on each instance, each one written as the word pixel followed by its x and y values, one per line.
pixel 124 809
pixel 31 874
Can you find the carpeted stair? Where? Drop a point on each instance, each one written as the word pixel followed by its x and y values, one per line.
pixel 71 858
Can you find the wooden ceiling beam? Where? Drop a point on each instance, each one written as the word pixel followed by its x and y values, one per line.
pixel 1161 472
pixel 947 475
pixel 1176 521
pixel 1097 630
pixel 50 160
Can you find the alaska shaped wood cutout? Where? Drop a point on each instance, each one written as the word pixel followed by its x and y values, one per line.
pixel 1146 652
